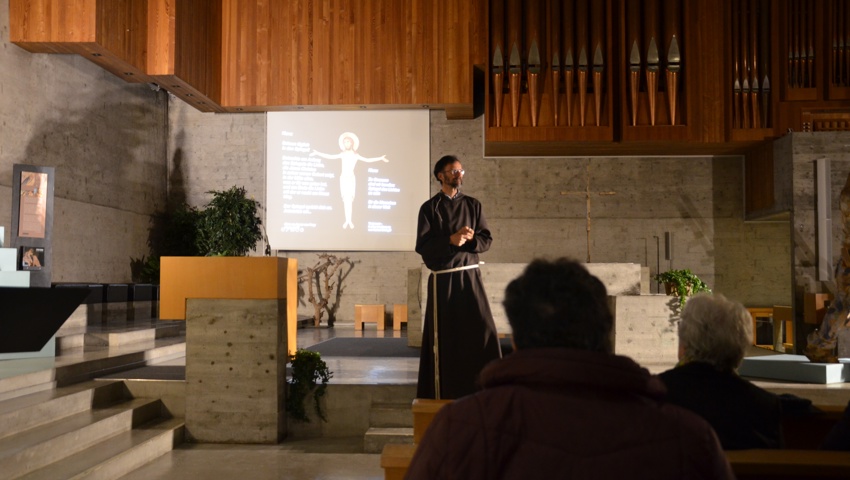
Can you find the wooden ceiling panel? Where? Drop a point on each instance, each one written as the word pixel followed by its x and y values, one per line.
pixel 161 37
pixel 122 29
pixel 250 55
pixel 37 24
pixel 197 46
pixel 348 52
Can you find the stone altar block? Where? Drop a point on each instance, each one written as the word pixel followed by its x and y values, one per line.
pixel 646 330
pixel 229 277
pixel 236 370
pixel 619 279
pixel 795 368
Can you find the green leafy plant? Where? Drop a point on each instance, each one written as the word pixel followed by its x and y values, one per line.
pixel 145 269
pixel 229 224
pixel 172 233
pixel 308 369
pixel 682 283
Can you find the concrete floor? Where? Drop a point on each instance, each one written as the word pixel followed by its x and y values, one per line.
pixel 307 459
pixel 314 459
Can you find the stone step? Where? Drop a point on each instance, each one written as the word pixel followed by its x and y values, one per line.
pixel 38 447
pixel 386 415
pixel 32 410
pixel 118 455
pixel 376 438
pixel 27 382
pixel 117 338
pixel 120 357
pixel 79 365
pixel 69 340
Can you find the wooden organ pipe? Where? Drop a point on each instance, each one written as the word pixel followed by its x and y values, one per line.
pixel 754 72
pixel 554 16
pixel 514 13
pixel 568 25
pixel 798 44
pixel 597 33
pixel 497 55
pixel 672 37
pixel 651 12
pixel 764 61
pixel 837 42
pixel 845 53
pixel 743 37
pixel 581 20
pixel 534 64
pixel 633 46
pixel 791 44
pixel 736 64
pixel 810 43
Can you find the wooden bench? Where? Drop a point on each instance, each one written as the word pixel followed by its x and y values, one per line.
pixel 788 464
pixel 369 314
pixel 396 458
pixel 807 432
pixel 424 410
pixel 399 315
pixel 799 460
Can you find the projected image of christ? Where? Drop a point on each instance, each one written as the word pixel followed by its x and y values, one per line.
pixel 349 143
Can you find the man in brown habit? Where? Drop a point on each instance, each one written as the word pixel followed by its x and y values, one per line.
pixel 451 233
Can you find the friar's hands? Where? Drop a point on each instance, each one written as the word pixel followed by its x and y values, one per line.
pixel 462 236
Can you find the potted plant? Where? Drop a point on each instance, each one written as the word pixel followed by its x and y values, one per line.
pixel 307 369
pixel 172 233
pixel 229 224
pixel 682 284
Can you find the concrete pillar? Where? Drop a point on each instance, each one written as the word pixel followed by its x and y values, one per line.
pixel 235 370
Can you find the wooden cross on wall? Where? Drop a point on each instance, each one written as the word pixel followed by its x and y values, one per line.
pixel 587 194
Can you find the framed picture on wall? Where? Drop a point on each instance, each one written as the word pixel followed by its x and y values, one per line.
pixel 32 213
pixel 32 258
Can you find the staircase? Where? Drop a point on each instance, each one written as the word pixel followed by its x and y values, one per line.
pixel 92 430
pixel 389 423
pixel 56 421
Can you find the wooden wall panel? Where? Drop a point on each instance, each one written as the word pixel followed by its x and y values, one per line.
pixel 705 73
pixel 758 179
pixel 160 40
pixel 122 29
pixel 350 52
pixel 197 50
pixel 41 26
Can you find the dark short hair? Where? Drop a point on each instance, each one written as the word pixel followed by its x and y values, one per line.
pixel 441 164
pixel 559 304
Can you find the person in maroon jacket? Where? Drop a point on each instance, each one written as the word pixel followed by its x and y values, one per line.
pixel 563 405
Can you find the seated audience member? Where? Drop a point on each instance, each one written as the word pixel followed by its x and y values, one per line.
pixel 713 335
pixel 839 437
pixel 562 405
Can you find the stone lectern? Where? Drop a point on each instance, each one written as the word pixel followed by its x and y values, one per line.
pixel 239 312
pixel 244 278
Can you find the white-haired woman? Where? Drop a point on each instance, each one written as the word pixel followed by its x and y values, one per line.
pixel 714 333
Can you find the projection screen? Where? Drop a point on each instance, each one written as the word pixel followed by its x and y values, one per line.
pixel 346 180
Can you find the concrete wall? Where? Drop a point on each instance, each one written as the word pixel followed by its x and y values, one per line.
pixel 801 151
pixel 106 139
pixel 535 207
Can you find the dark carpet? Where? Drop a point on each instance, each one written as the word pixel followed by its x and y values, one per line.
pixel 365 347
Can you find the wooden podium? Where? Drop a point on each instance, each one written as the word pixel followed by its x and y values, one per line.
pixel 257 278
